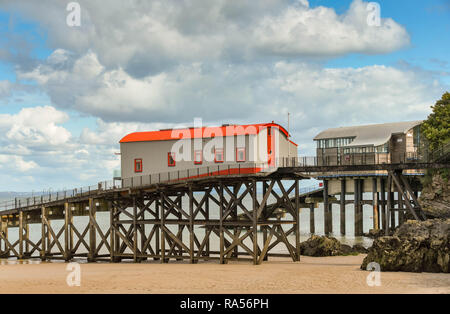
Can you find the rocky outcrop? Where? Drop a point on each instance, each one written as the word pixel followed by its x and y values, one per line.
pixel 416 246
pixel 328 246
pixel 374 233
pixel 435 196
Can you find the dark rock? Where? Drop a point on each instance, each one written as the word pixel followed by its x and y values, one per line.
pixel 415 246
pixel 346 249
pixel 320 246
pixel 373 233
pixel 435 196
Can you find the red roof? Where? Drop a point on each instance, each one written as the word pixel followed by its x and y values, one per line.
pixel 204 132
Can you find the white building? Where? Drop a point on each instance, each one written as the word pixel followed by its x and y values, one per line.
pixel 244 147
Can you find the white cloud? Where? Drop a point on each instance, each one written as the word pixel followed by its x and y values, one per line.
pixel 321 32
pixel 8 162
pixel 35 126
pixel 148 37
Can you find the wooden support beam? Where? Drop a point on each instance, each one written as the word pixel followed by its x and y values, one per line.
pixel 163 224
pixel 297 222
pixel 67 232
pixel 221 229
pixel 401 208
pixel 356 205
pixel 157 229
pixel 21 240
pixel 342 206
pixel 92 232
pixel 383 202
pixel 376 205
pixel 389 203
pixel 326 208
pixel 135 231
pixel 112 234
pixel 393 224
pixel 255 223
pixel 312 224
pixel 191 225
pixel 43 234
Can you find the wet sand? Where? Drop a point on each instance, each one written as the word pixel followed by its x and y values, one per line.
pixel 339 274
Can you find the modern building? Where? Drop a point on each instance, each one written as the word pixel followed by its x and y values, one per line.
pixel 367 144
pixel 204 149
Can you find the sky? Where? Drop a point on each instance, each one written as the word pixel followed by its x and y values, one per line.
pixel 69 92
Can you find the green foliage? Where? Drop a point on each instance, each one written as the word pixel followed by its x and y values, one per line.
pixel 437 126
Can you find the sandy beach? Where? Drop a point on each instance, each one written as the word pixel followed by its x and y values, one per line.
pixel 339 274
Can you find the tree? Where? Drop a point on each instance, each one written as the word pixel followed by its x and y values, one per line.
pixel 437 126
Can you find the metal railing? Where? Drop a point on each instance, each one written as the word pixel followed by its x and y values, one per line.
pixel 226 170
pixel 137 182
pixel 354 159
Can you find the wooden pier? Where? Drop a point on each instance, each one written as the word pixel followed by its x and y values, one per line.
pixel 177 219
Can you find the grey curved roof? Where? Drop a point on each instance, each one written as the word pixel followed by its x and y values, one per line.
pixel 372 134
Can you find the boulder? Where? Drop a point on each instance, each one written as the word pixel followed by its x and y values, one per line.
pixel 359 249
pixel 320 246
pixel 328 246
pixel 416 246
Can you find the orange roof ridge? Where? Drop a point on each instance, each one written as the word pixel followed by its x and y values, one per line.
pixel 168 134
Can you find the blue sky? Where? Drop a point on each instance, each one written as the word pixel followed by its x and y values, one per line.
pixel 68 94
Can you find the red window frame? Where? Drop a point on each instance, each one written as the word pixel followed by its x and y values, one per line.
pixel 198 162
pixel 171 156
pixel 239 149
pixel 218 150
pixel 138 161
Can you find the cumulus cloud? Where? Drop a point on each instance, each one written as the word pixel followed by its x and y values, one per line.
pixel 16 162
pixel 37 145
pixel 148 37
pixel 228 92
pixel 35 126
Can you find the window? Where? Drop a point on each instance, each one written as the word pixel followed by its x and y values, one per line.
pixel 198 157
pixel 171 159
pixel 240 154
pixel 138 165
pixel 218 155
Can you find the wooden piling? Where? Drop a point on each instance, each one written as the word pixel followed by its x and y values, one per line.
pixel 389 204
pixel 92 233
pixel 375 204
pixel 21 229
pixel 342 207
pixel 255 223
pixel 67 232
pixel 135 233
pixel 191 225
pixel 401 207
pixel 356 205
pixel 43 234
pixel 312 223
pixel 163 225
pixel 297 218
pixel 383 202
pixel 221 235
pixel 393 224
pixel 326 209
